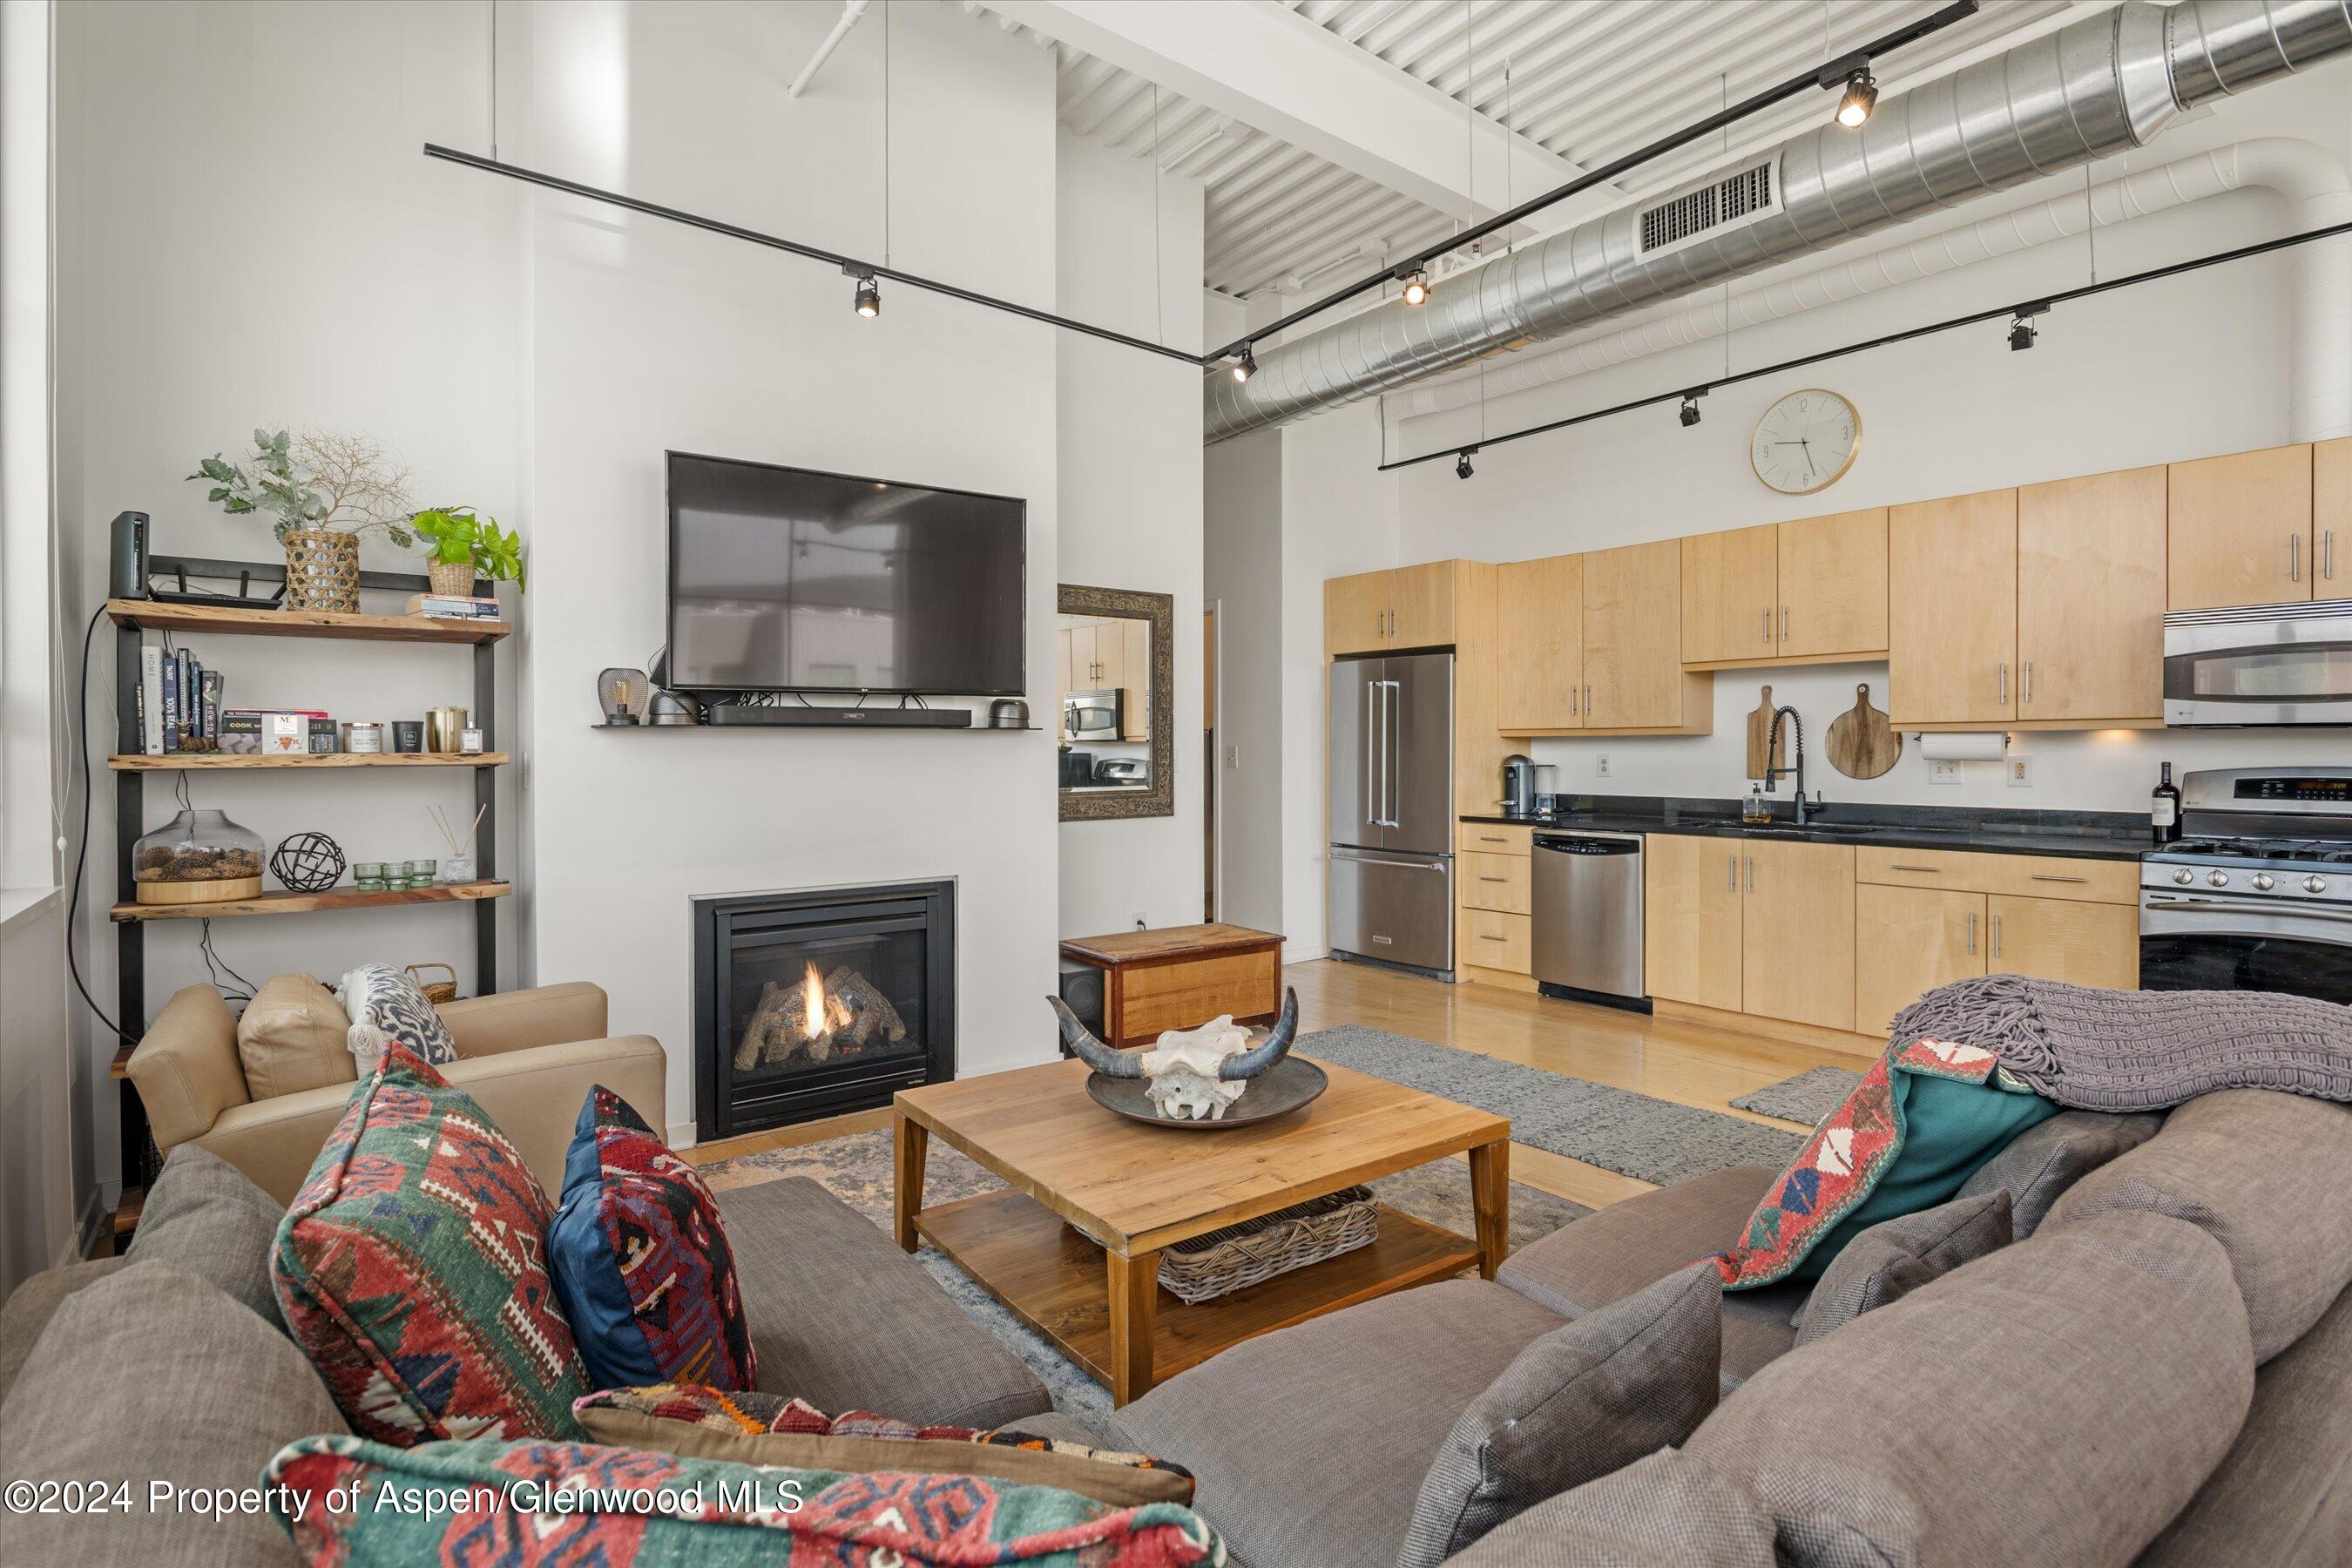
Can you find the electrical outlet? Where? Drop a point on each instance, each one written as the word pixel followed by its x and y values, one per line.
pixel 2021 772
pixel 1943 773
pixel 1602 764
pixel 1233 758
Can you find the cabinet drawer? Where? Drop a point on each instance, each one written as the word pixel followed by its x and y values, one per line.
pixel 1493 838
pixel 2027 875
pixel 1496 940
pixel 1495 882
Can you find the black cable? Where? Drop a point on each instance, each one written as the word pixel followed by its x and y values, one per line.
pixel 81 855
pixel 214 964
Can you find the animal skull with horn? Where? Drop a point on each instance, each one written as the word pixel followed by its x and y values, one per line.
pixel 1194 1074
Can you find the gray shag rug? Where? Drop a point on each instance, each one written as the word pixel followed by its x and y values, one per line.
pixel 857 1168
pixel 1634 1134
pixel 1804 1098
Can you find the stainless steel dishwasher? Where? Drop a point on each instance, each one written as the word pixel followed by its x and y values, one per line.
pixel 1586 933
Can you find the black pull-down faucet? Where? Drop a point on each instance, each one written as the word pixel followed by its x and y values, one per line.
pixel 1796 722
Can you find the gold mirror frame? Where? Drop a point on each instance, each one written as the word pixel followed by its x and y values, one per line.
pixel 1159 611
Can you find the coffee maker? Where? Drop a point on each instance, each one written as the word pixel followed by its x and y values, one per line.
pixel 1518 785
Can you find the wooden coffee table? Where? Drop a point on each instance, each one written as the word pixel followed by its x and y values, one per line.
pixel 1073 1246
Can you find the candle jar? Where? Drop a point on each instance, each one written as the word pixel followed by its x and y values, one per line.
pixel 418 874
pixel 369 876
pixel 363 737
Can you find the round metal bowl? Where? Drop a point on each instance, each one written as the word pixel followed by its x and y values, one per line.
pixel 1290 1083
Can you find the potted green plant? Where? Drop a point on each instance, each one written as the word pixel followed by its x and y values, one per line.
pixel 321 490
pixel 460 544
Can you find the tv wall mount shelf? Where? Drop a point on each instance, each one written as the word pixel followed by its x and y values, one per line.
pixel 251 615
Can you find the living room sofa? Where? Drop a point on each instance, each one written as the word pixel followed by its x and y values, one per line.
pixel 528 1057
pixel 2088 1394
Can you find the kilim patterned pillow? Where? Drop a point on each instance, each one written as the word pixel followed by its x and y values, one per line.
pixel 411 1269
pixel 623 1508
pixel 385 1005
pixel 641 1261
pixel 755 1428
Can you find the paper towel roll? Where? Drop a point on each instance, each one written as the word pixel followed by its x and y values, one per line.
pixel 1989 747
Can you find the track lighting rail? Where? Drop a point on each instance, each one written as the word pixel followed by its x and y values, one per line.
pixel 2014 314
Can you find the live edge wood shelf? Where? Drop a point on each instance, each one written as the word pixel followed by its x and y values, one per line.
pixel 131 767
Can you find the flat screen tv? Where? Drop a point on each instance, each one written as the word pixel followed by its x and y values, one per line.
pixel 792 580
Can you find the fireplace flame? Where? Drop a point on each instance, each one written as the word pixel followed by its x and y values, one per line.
pixel 821 1012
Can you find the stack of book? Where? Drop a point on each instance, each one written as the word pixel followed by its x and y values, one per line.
pixel 179 703
pixel 453 607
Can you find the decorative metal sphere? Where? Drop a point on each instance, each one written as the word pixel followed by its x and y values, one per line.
pixel 308 862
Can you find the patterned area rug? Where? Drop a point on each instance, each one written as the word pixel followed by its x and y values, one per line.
pixel 1804 1098
pixel 857 1170
pixel 1634 1134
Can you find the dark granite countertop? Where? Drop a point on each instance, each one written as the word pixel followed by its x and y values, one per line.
pixel 2089 835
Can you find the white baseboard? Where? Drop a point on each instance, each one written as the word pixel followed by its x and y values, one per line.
pixel 680 1135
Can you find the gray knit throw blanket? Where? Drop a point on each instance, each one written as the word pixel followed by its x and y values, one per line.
pixel 2140 1051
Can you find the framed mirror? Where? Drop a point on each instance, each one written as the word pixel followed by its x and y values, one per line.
pixel 1114 703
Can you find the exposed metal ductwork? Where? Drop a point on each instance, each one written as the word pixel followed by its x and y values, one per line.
pixel 2104 84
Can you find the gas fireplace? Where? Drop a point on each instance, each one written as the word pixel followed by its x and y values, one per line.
pixel 812 1004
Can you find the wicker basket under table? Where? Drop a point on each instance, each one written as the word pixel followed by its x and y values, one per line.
pixel 1220 1262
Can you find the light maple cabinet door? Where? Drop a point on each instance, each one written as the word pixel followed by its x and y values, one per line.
pixel 2241 529
pixel 1110 655
pixel 2058 939
pixel 2090 596
pixel 1421 605
pixel 1135 674
pixel 1356 614
pixel 1540 644
pixel 2331 516
pixel 1910 940
pixel 1797 925
pixel 1691 913
pixel 1728 601
pixel 1633 637
pixel 1952 609
pixel 1832 576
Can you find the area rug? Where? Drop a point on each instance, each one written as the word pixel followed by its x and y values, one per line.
pixel 1619 1129
pixel 857 1168
pixel 1804 1098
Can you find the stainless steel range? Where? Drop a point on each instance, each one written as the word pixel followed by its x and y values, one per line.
pixel 2257 893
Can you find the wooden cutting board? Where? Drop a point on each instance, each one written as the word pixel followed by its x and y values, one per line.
pixel 1862 745
pixel 1759 729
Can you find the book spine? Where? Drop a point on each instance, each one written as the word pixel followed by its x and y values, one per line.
pixel 171 679
pixel 182 673
pixel 211 706
pixel 151 700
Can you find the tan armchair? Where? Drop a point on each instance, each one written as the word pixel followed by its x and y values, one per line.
pixel 528 1057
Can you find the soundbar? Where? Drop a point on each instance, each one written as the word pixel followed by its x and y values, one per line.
pixel 841 718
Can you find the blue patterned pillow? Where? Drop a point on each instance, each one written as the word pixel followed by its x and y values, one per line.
pixel 386 1005
pixel 641 1261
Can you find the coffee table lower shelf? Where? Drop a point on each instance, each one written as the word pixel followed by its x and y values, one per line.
pixel 1054 1280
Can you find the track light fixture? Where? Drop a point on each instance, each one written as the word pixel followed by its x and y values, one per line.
pixel 1861 96
pixel 1461 469
pixel 1690 408
pixel 869 296
pixel 1416 288
pixel 1246 366
pixel 2022 330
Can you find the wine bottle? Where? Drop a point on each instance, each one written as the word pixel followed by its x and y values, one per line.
pixel 2164 808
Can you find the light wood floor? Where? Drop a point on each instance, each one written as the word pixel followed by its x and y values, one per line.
pixel 1691 1064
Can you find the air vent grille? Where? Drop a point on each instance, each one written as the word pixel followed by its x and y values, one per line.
pixel 1693 213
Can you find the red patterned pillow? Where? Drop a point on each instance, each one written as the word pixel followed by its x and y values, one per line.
pixel 641 1261
pixel 412 1270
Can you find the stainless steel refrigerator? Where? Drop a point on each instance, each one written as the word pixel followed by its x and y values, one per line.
pixel 1391 888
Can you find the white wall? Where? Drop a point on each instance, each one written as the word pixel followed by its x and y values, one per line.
pixel 1243 574
pixel 2183 368
pixel 1128 430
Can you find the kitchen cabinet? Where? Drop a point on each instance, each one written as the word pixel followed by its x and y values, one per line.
pixel 1632 639
pixel 1493 838
pixel 1831 573
pixel 1496 883
pixel 1730 598
pixel 1916 939
pixel 1540 616
pixel 1797 928
pixel 2241 531
pixel 2059 939
pixel 1691 917
pixel 2331 516
pixel 1952 609
pixel 1375 612
pixel 1495 940
pixel 2091 598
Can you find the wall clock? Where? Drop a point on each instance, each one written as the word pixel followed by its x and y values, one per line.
pixel 1805 442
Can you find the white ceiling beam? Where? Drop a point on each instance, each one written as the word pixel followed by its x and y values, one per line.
pixel 1273 69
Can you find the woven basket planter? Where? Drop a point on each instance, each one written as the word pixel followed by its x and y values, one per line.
pixel 322 569
pixel 1223 1261
pixel 453 578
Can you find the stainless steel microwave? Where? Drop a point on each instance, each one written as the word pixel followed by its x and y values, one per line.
pixel 2259 664
pixel 1095 715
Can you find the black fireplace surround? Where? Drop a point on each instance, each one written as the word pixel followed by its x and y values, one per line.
pixel 812 1004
